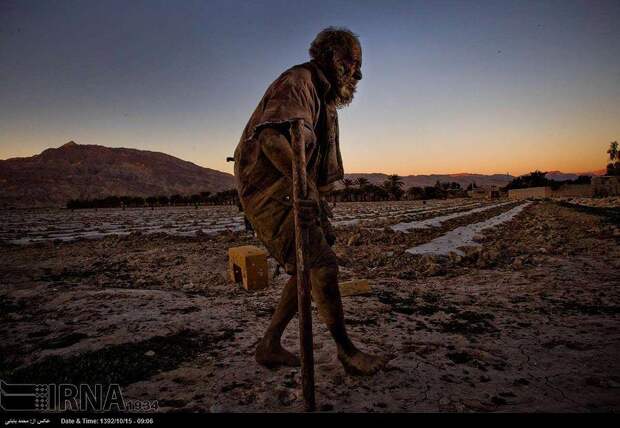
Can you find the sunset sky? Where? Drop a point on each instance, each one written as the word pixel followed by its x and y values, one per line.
pixel 449 86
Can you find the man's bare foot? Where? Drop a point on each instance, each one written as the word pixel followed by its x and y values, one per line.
pixel 358 363
pixel 271 356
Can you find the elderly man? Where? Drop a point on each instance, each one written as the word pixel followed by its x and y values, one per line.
pixel 263 170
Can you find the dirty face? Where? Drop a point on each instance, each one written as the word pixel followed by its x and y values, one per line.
pixel 348 71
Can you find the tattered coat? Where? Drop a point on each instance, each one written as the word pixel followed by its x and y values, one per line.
pixel 264 192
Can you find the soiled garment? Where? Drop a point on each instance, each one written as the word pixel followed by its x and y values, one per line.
pixel 264 190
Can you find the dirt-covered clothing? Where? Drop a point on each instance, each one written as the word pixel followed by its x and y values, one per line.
pixel 264 191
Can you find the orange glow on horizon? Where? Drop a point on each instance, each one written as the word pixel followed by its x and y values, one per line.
pixel 426 160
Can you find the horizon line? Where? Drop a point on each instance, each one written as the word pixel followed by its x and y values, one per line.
pixel 454 174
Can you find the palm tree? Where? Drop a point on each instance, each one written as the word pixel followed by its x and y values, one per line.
pixel 613 151
pixel 415 193
pixel 377 193
pixel 396 180
pixel 151 201
pixel 347 183
pixel 195 199
pixel 393 185
pixel 163 200
pixel 362 184
pixel 613 167
pixel 205 196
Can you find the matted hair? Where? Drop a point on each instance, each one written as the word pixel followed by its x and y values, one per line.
pixel 330 40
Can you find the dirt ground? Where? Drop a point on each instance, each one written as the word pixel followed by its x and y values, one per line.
pixel 527 321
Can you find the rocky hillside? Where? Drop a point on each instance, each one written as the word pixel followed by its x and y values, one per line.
pixel 73 170
pixel 429 180
pixel 83 171
pixel 464 179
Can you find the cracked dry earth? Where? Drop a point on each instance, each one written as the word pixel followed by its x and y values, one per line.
pixel 528 321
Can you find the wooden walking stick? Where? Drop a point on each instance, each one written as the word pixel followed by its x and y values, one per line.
pixel 303 282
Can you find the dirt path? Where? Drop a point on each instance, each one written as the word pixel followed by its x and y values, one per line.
pixel 528 322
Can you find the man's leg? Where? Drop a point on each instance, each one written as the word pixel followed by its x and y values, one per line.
pixel 326 294
pixel 269 351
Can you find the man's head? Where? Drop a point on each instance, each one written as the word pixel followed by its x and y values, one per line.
pixel 339 54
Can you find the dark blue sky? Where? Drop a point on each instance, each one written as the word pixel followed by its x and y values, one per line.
pixel 478 86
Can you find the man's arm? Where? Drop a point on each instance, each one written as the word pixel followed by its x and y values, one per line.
pixel 277 147
pixel 278 150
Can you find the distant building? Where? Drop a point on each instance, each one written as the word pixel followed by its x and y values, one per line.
pixel 530 193
pixel 565 190
pixel 494 192
pixel 606 185
pixel 477 193
pixel 573 190
pixel 484 193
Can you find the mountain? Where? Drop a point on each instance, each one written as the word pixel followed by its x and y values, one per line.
pixel 565 176
pixel 73 170
pixel 83 171
pixel 464 179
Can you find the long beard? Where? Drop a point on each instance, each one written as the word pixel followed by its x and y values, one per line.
pixel 345 88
